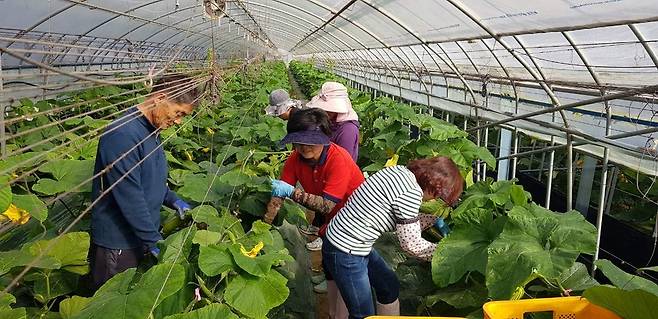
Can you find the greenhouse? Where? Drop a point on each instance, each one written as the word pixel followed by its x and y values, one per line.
pixel 328 159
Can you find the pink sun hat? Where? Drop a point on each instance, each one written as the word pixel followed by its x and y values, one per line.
pixel 333 97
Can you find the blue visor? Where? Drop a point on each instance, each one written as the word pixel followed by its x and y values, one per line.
pixel 310 137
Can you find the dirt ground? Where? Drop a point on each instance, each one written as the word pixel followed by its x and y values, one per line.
pixel 321 306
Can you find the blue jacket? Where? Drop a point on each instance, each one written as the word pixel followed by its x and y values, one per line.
pixel 129 215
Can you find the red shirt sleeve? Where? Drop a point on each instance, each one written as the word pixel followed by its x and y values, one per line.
pixel 288 173
pixel 337 179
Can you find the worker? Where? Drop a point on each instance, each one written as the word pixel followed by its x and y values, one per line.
pixel 387 201
pixel 334 99
pixel 326 172
pixel 281 105
pixel 132 186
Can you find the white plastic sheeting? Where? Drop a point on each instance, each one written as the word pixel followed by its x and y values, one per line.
pixel 507 57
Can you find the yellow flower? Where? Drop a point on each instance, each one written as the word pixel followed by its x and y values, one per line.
pixel 392 161
pixel 210 131
pixel 15 215
pixel 205 150
pixel 253 252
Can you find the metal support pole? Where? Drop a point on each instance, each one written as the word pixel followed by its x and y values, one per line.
pixel 585 185
pixel 3 137
pixel 599 216
pixel 541 165
pixel 549 182
pixel 515 150
pixel 504 150
pixel 569 172
pixel 486 145
pixel 614 175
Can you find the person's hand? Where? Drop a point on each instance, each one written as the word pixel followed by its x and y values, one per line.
pixel 442 227
pixel 181 208
pixel 281 189
pixel 155 252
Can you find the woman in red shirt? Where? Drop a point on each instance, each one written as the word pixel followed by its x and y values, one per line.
pixel 326 172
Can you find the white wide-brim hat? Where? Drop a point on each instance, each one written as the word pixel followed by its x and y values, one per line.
pixel 333 97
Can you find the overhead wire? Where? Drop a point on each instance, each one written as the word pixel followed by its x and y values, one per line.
pixel 42 155
pixel 82 77
pixel 53 123
pixel 11 120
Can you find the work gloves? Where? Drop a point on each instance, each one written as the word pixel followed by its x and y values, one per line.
pixel 442 227
pixel 281 188
pixel 181 208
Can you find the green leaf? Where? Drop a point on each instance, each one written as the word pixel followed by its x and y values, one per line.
pixel 576 278
pixel 212 311
pixel 424 150
pixel 26 161
pixel 206 237
pixel 255 203
pixel 655 268
pixel 178 246
pixel 70 307
pixel 6 311
pixel 215 259
pixel 195 187
pixel 216 222
pixel 255 296
pixel 118 299
pixel 518 195
pixel 53 284
pixel 177 176
pixel 629 304
pixel 16 258
pixel 460 296
pixel 31 203
pixel 259 265
pixel 436 207
pixel 70 250
pixel 235 178
pixel 624 280
pixel 5 193
pixel 293 213
pixel 465 248
pixel 68 174
pixel 536 242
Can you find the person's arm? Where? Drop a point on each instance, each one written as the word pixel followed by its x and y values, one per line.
pixel 426 221
pixel 348 138
pixel 411 241
pixel 128 192
pixel 408 226
pixel 170 199
pixel 320 204
pixel 287 175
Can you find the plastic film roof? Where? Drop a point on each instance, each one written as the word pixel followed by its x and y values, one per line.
pixel 492 59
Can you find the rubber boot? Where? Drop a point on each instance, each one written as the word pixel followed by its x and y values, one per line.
pixel 389 309
pixel 337 307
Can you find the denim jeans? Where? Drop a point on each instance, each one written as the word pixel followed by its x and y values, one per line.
pixel 356 276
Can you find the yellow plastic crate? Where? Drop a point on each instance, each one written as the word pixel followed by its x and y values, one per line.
pixel 562 308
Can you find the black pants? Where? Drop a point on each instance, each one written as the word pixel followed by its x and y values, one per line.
pixel 105 262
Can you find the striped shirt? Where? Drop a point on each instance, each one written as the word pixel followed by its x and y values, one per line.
pixel 388 197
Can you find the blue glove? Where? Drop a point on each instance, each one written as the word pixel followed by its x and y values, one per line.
pixel 181 208
pixel 442 227
pixel 155 252
pixel 281 189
